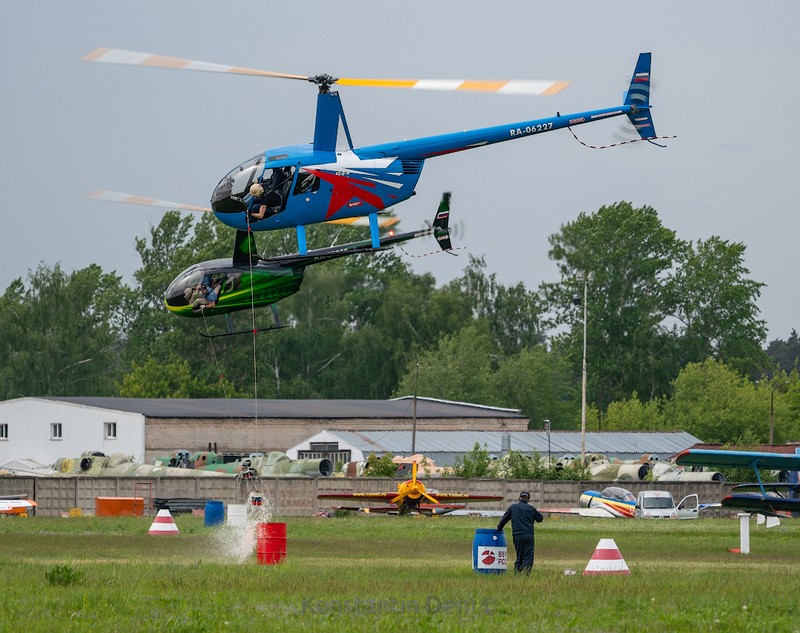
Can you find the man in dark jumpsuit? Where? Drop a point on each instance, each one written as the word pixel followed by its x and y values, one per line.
pixel 522 516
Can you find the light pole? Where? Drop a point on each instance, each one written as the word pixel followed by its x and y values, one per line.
pixel 547 428
pixel 585 278
pixel 414 421
pixel 773 385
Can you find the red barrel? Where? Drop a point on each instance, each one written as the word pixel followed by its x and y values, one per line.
pixel 270 543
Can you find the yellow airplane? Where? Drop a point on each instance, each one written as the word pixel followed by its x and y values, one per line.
pixel 411 496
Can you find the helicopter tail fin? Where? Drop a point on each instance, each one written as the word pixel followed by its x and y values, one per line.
pixel 638 96
pixel 244 249
pixel 441 223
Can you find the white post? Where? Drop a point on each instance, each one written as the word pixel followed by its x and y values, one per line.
pixel 549 458
pixel 414 421
pixel 744 532
pixel 583 376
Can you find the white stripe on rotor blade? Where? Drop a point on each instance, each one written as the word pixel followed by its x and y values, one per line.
pixel 438 84
pixel 522 87
pixel 117 56
pixel 208 67
pixel 114 196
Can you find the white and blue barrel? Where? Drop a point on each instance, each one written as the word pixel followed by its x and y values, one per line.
pixel 489 551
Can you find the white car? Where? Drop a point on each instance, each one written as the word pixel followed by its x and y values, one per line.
pixel 659 504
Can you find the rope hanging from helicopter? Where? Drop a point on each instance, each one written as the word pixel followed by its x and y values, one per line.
pixel 250 244
pixel 217 365
pixel 449 252
pixel 633 140
pixel 214 356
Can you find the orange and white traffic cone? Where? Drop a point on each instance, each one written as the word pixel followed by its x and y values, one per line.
pixel 606 559
pixel 163 524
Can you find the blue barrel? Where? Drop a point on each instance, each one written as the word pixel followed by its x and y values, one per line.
pixel 215 513
pixel 489 552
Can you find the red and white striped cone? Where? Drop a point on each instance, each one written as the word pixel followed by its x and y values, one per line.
pixel 606 560
pixel 163 524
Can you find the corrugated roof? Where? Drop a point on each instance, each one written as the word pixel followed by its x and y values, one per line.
pixel 314 409
pixel 621 445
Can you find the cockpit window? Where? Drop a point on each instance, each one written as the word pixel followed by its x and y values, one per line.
pixel 237 182
pixel 619 494
pixel 187 279
pixel 306 183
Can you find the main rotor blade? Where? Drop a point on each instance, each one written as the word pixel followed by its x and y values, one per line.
pixel 114 196
pixel 506 87
pixel 126 198
pixel 134 58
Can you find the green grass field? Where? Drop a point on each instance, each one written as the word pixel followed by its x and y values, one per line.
pixel 380 573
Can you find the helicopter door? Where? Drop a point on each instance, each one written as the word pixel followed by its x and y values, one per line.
pixel 277 183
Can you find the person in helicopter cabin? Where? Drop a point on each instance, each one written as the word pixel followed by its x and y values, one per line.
pixel 266 200
pixel 205 294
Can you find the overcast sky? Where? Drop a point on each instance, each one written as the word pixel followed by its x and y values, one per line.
pixel 725 84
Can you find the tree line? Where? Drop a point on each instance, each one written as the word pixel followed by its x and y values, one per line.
pixel 673 334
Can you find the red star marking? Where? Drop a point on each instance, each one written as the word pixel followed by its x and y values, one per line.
pixel 345 189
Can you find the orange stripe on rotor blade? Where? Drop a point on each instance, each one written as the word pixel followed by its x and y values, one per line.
pixel 264 73
pixel 165 62
pixel 139 200
pixel 482 86
pixel 379 83
pixel 95 54
pixel 362 221
pixel 557 87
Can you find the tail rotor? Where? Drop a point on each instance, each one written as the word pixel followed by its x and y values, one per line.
pixel 638 97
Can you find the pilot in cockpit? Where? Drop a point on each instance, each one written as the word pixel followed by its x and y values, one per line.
pixel 266 200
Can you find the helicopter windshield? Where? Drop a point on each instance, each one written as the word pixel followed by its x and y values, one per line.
pixel 237 183
pixel 176 294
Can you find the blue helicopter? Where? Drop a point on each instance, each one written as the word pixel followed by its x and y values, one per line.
pixel 316 182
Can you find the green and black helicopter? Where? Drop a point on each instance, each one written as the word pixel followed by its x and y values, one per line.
pixel 248 280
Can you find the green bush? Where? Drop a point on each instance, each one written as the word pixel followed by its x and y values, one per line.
pixel 476 463
pixel 380 466
pixel 64 575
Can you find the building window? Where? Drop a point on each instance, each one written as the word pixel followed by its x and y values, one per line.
pixel 55 431
pixel 324 447
pixel 3 431
pixel 325 450
pixel 110 430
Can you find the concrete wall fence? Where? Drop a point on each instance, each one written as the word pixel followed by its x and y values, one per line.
pixel 298 496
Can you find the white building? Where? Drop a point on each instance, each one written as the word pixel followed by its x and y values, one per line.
pixel 445 447
pixel 44 430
